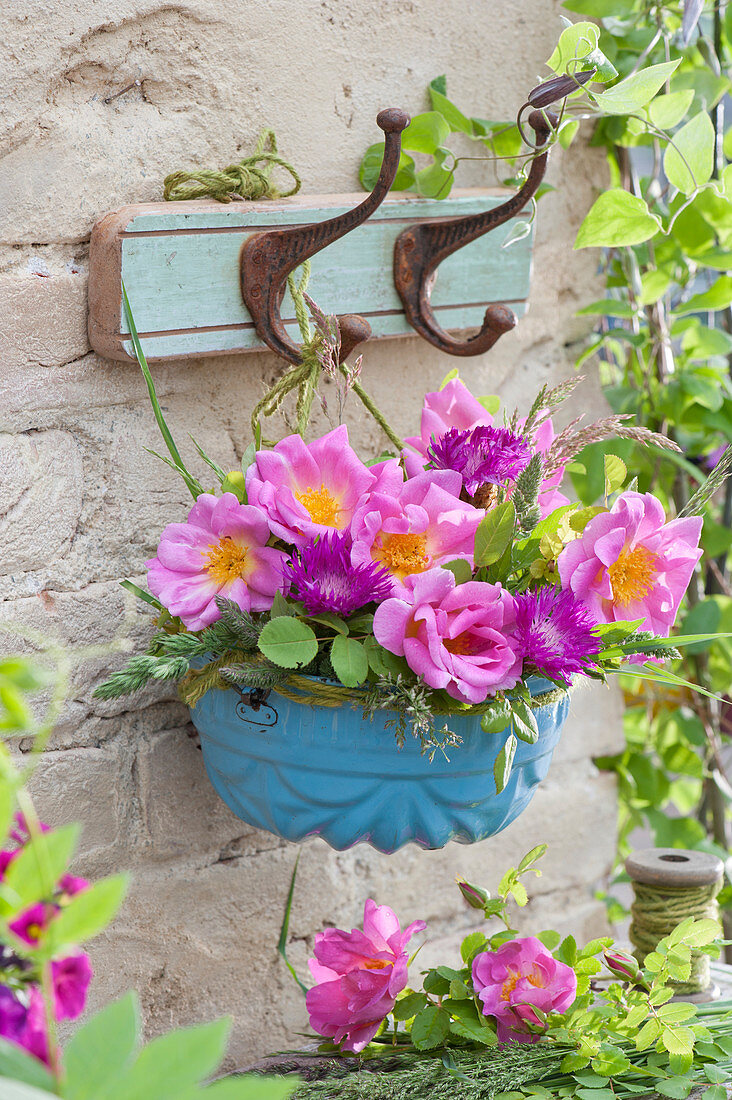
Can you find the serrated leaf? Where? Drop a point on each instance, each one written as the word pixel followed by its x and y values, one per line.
pixel 532 857
pixel 525 725
pixel 678 1088
pixel 430 1027
pixel 471 944
pixel 409 1006
pixel 615 473
pixel 460 570
pixel 350 661
pixel 287 642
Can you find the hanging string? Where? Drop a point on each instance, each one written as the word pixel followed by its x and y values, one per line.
pixel 658 909
pixel 250 178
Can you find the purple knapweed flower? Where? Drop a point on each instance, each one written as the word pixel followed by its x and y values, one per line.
pixel 323 576
pixel 520 976
pixel 553 634
pixel 482 456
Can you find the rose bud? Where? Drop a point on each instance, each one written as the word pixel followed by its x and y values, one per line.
pixel 623 966
pixel 474 895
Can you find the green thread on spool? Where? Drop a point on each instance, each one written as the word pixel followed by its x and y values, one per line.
pixel 249 178
pixel 671 885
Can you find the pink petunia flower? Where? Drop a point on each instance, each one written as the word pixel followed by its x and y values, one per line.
pixel 519 975
pixel 630 564
pixel 358 975
pixel 310 489
pixel 455 636
pixel 418 526
pixel 221 549
pixel 30 925
pixel 71 977
pixel 455 407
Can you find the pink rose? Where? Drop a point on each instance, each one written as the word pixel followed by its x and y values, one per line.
pixel 359 975
pixel 221 549
pixel 455 636
pixel 630 564
pixel 309 489
pixel 520 976
pixel 415 526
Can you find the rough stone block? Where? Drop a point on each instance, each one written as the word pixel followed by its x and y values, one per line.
pixel 44 320
pixel 40 498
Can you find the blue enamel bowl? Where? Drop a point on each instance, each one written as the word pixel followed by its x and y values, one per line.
pixel 300 771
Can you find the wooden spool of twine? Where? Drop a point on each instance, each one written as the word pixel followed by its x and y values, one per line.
pixel 670 885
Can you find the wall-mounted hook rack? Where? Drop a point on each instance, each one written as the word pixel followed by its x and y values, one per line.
pixel 420 249
pixel 268 258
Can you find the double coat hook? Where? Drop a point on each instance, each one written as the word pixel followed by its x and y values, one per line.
pixel 419 250
pixel 268 258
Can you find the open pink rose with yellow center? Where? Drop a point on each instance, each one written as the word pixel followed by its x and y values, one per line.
pixel 221 549
pixel 630 564
pixel 455 636
pixel 359 975
pixel 415 526
pixel 520 976
pixel 308 489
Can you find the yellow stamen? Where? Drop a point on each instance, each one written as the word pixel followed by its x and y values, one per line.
pixel 321 505
pixel 226 562
pixel 403 554
pixel 375 964
pixel 515 976
pixel 632 575
pixel 461 645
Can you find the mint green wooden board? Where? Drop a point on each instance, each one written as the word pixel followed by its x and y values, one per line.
pixel 180 266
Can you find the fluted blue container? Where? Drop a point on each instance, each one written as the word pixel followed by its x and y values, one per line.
pixel 301 771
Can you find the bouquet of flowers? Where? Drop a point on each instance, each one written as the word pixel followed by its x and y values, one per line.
pixel 441 578
pixel 533 1015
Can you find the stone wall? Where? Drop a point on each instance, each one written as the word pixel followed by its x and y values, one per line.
pixel 82 503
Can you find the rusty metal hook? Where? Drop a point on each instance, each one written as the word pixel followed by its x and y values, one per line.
pixel 268 258
pixel 419 250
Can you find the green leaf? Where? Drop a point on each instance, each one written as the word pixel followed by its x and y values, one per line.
pixel 435 181
pixel 498 717
pixel 34 873
pixel 15 1063
pixel 141 594
pixel 329 618
pixel 689 158
pixel 89 912
pixel 525 725
pixel 409 1006
pixel 719 296
pixel 471 945
pixel 647 1034
pixel 617 218
pixel 288 642
pixel 677 1013
pixel 101 1050
pixel 504 763
pixel 430 1028
pixel 173 1063
pixel 349 660
pixel 615 474
pixel 667 111
pixel 715 1092
pixel 426 132
pixel 678 1088
pixel 370 168
pixel 285 928
pixel 495 533
pixel 579 43
pixel 460 570
pixel 629 95
pixel 607 307
pixel 454 117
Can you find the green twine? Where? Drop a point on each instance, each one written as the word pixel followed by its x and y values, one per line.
pixel 250 178
pixel 657 910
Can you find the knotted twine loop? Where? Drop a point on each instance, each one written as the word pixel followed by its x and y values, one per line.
pixel 657 910
pixel 250 178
